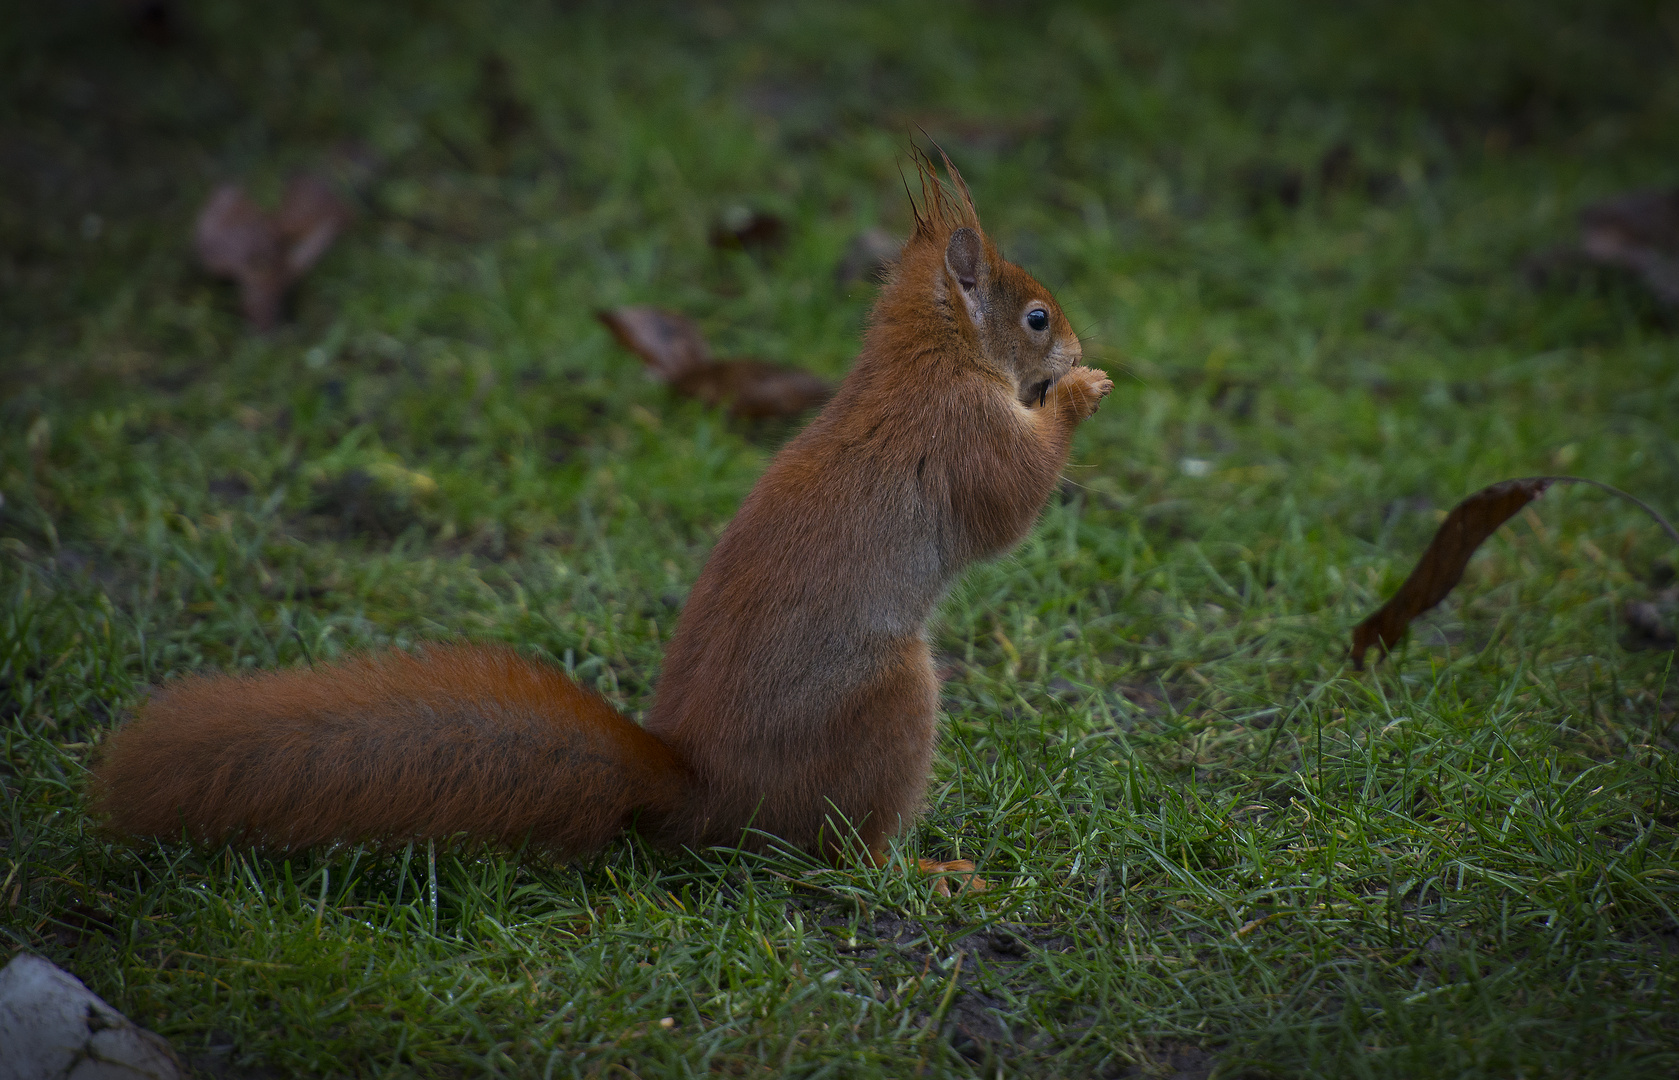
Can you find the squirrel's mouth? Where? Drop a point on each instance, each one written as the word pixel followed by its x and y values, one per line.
pixel 1037 393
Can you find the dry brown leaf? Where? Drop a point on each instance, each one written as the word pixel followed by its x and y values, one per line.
pixel 675 352
pixel 267 254
pixel 670 343
pixel 1441 566
pixel 237 240
pixel 754 390
pixel 1638 231
pixel 310 217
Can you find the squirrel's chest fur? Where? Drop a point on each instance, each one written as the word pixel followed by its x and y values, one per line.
pixel 799 681
pixel 803 642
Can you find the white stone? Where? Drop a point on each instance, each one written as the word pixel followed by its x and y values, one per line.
pixel 54 1028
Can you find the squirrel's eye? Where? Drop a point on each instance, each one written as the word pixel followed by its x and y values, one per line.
pixel 1037 318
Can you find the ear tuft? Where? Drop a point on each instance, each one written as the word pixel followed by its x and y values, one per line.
pixel 964 256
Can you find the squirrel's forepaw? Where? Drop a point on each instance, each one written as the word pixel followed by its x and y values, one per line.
pixel 1084 388
pixel 959 870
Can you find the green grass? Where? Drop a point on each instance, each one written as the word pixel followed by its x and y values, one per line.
pixel 1296 235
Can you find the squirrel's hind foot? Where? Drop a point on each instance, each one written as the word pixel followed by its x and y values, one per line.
pixel 961 871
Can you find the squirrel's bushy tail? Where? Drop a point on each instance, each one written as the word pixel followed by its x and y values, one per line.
pixel 387 748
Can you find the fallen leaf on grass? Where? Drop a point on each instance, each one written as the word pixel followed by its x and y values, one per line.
pixel 267 254
pixel 1441 566
pixel 1638 231
pixel 236 239
pixel 670 343
pixel 754 390
pixel 676 353
pixel 310 217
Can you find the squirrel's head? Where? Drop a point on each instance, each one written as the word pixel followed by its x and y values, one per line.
pixel 1015 327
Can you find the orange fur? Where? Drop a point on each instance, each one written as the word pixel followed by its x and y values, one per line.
pixel 798 696
pixel 466 739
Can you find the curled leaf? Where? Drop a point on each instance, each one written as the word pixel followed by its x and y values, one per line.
pixel 670 344
pixel 1442 564
pixel 236 239
pixel 676 353
pixel 267 254
pixel 754 390
pixel 310 217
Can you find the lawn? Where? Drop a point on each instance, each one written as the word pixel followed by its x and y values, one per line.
pixel 1301 238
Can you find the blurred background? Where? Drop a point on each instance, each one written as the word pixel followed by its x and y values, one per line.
pixel 1332 249
pixel 302 350
pixel 601 146
pixel 332 272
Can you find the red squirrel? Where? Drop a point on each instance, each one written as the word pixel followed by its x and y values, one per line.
pixel 798 699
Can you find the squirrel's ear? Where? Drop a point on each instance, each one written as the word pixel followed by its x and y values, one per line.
pixel 964 256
